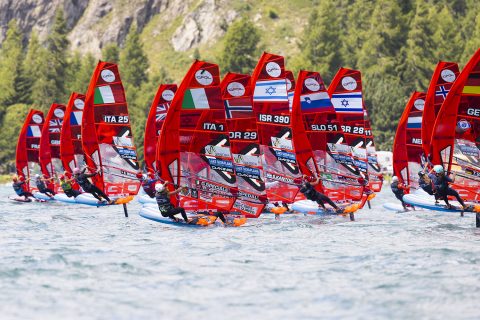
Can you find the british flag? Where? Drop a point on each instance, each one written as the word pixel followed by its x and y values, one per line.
pixel 55 126
pixel 161 112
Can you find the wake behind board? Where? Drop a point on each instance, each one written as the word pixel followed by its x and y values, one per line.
pixel 311 207
pixel 196 221
pixel 429 203
pixel 397 207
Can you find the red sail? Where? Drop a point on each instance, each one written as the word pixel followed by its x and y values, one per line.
pixel 290 88
pixel 347 99
pixel 237 96
pixel 407 146
pixel 374 171
pixel 270 105
pixel 153 127
pixel 27 157
pixel 49 152
pixel 443 78
pixel 456 134
pixel 193 147
pixel 319 140
pixel 106 133
pixel 71 151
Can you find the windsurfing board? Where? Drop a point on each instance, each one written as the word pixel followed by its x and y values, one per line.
pixel 311 207
pixel 90 200
pixel 429 203
pixel 42 196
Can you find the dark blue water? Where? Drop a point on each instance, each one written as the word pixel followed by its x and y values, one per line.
pixel 59 261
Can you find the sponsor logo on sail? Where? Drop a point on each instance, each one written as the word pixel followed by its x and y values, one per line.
pixel 167 95
pixel 289 84
pixel 273 69
pixel 236 89
pixel 312 84
pixel 107 75
pixel 419 104
pixel 37 118
pixel 79 104
pixel 349 83
pixel 447 75
pixel 58 113
pixel 204 77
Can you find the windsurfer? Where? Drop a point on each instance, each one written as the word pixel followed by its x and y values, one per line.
pixel 398 190
pixel 442 187
pixel 312 194
pixel 82 179
pixel 148 183
pixel 67 186
pixel 42 187
pixel 19 187
pixel 165 206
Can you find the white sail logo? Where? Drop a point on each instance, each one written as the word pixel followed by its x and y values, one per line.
pixel 167 95
pixel 289 84
pixel 273 69
pixel 204 77
pixel 107 75
pixel 58 113
pixel 236 89
pixel 349 83
pixel 79 103
pixel 448 75
pixel 37 118
pixel 312 84
pixel 419 104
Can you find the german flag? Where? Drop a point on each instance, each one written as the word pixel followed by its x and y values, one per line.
pixel 473 84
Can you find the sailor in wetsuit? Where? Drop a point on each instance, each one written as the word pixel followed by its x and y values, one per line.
pixel 442 188
pixel 67 186
pixel 19 187
pixel 148 183
pixel 165 206
pixel 42 187
pixel 425 182
pixel 312 194
pixel 398 190
pixel 82 179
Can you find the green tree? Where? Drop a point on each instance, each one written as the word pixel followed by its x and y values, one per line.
pixel 10 126
pixel 471 31
pixel 111 53
pixel 82 74
pixel 320 45
pixel 240 47
pixel 11 58
pixel 447 39
pixel 133 61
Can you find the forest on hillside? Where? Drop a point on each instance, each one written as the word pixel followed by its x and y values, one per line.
pixel 395 44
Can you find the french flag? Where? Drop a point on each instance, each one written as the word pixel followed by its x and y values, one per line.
pixel 414 123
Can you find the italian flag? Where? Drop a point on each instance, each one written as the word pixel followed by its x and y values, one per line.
pixel 108 94
pixel 195 99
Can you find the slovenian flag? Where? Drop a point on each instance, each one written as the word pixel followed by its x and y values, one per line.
pixel 315 102
pixel 108 94
pixel 238 108
pixel 76 118
pixel 414 123
pixel 34 131
pixel 202 98
pixel 348 102
pixel 273 90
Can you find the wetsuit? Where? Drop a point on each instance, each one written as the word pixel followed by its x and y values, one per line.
pixel 166 207
pixel 398 191
pixel 68 189
pixel 426 186
pixel 87 186
pixel 19 189
pixel 148 186
pixel 443 190
pixel 311 194
pixel 43 188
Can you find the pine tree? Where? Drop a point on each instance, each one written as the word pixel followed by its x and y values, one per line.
pixel 447 39
pixel 240 47
pixel 11 58
pixel 133 61
pixel 111 53
pixel 471 31
pixel 82 74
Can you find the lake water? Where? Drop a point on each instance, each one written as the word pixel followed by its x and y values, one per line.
pixel 70 261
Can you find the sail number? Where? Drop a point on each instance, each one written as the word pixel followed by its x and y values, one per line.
pixel 274 118
pixel 355 130
pixel 115 119
pixel 324 127
pixel 239 135
pixel 213 126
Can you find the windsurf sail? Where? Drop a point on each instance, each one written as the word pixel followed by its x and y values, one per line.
pixel 49 152
pixel 28 144
pixel 345 91
pixel 456 135
pixel 407 145
pixel 374 170
pixel 71 151
pixel 107 138
pixel 319 141
pixel 290 87
pixel 194 147
pixel 155 119
pixel 244 143
pixel 271 108
pixel 443 78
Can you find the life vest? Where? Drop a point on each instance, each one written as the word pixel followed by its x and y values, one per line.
pixel 66 185
pixel 395 189
pixel 83 181
pixel 163 201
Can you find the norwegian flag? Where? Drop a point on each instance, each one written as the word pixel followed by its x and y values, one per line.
pixel 161 112
pixel 238 108
pixel 55 126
